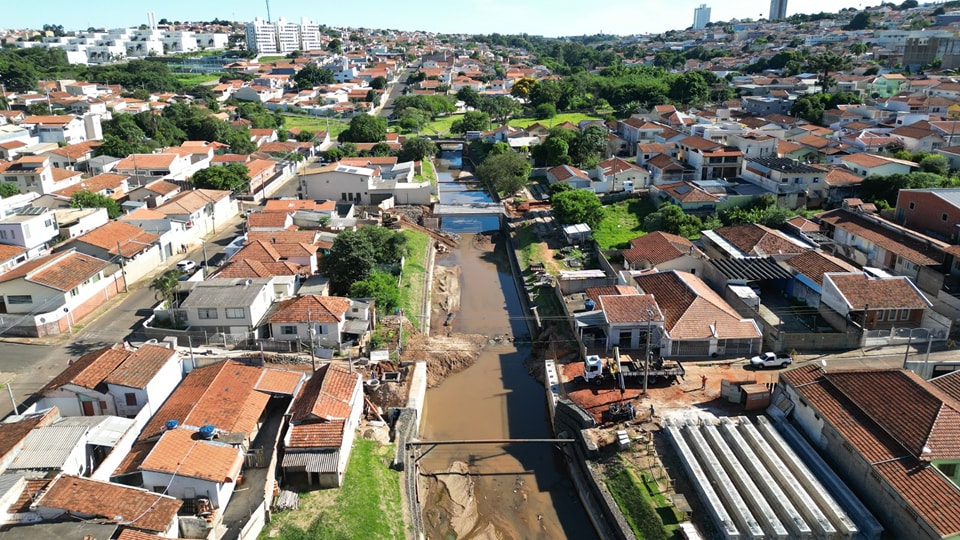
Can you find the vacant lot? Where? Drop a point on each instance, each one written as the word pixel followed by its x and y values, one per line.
pixel 622 222
pixel 367 506
pixel 573 118
pixel 315 123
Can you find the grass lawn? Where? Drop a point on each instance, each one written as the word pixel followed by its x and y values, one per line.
pixel 531 250
pixel 411 283
pixel 367 506
pixel 268 59
pixel 622 222
pixel 573 118
pixel 194 79
pixel 429 174
pixel 646 509
pixel 440 126
pixel 315 123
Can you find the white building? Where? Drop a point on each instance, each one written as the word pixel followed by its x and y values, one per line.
pixel 282 36
pixel 366 186
pixel 30 228
pixel 701 16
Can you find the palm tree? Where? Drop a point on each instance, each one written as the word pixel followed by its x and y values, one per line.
pixel 165 289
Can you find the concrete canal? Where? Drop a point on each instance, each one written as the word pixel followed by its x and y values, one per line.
pixel 521 491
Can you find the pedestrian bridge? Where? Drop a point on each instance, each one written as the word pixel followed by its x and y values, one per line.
pixel 469 209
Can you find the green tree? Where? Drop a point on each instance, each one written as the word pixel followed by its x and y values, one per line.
pixel 388 246
pixel 88 199
pixel 498 148
pixel 560 187
pixel 417 149
pixel 313 75
pixel 232 177
pixel 471 121
pixel 365 128
pixel 500 108
pixel 935 164
pixel 505 173
pixel 545 111
pixel 577 206
pixel 9 189
pixel 860 21
pixel 557 152
pixel 335 46
pixel 670 218
pixel 351 259
pixel 379 83
pixel 469 96
pixel 381 149
pixel 381 286
pixel 860 48
pixel 164 289
pixel 826 63
pixel 690 88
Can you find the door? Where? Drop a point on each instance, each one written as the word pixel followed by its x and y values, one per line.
pixel 87 407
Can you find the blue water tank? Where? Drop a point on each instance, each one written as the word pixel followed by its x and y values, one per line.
pixel 172 424
pixel 207 431
pixel 589 305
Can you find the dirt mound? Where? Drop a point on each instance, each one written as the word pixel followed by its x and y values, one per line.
pixel 444 354
pixel 446 297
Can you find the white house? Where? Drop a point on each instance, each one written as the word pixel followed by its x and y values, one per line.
pixel 791 181
pixel 298 318
pixel 629 318
pixel 34 173
pixel 201 210
pixel 235 306
pixel 366 186
pixel 869 164
pixel 145 168
pixel 30 228
pixel 324 418
pixel 114 381
pixel 616 174
pixel 69 129
pixel 53 292
pixel 138 251
pixel 186 465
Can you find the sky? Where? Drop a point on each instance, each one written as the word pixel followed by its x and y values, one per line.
pixel 536 17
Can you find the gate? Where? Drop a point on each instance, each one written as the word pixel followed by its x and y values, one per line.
pixel 255 459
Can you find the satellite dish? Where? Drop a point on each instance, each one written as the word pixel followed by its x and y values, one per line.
pixel 823 362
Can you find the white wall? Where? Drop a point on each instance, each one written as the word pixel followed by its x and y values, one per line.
pixel 218 493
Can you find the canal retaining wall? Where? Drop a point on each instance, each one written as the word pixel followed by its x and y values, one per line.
pixel 516 272
pixel 568 418
pixel 406 428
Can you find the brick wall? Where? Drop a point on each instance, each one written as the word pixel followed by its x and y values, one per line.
pixel 927 214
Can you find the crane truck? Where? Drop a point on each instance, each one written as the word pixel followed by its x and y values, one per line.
pixel 595 371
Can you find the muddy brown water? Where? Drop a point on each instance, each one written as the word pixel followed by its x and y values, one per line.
pixel 522 489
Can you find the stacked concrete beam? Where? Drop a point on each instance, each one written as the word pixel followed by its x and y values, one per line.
pixel 784 507
pixel 869 527
pixel 830 507
pixel 701 483
pixel 815 517
pixel 745 485
pixel 735 503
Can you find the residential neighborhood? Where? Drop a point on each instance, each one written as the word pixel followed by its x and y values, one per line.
pixel 277 278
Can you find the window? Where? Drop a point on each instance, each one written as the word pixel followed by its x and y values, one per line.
pixel 949 469
pixel 904 314
pixel 19 299
pixel 235 313
pixel 131 399
pixel 74 291
pixel 3 235
pixel 943 216
pixel 891 315
pixel 816 179
pixel 880 315
pixel 288 330
pixel 207 313
pixel 321 329
pixel 343 196
pixel 912 205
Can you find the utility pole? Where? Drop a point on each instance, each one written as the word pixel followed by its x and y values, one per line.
pixel 192 359
pixel 13 400
pixel 646 362
pixel 203 249
pixel 123 270
pixel 907 352
pixel 313 358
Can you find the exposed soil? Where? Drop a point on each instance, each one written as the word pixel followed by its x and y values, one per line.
pixel 444 354
pixel 446 299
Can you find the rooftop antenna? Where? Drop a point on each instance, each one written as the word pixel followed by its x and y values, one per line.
pixel 268 11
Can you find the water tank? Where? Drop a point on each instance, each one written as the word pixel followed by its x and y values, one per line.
pixel 207 431
pixel 172 424
pixel 589 305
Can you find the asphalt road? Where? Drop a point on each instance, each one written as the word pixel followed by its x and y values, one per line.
pixel 27 366
pixel 395 90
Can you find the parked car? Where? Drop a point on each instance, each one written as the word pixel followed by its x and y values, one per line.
pixel 186 265
pixel 770 359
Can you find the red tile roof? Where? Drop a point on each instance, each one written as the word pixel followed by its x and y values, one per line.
pixel 814 264
pixel 118 237
pixel 892 418
pixel 634 308
pixel 916 251
pixel 62 271
pixel 693 310
pixel 594 293
pixel 111 503
pixel 141 366
pixel 221 394
pixel 183 452
pixel 860 290
pixel 320 309
pixel 319 435
pixel 326 396
pixel 754 239
pixel 276 381
pixel 657 248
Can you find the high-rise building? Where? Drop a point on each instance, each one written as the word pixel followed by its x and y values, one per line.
pixel 778 9
pixel 701 16
pixel 282 36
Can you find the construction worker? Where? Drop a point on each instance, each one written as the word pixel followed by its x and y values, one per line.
pixel 703 382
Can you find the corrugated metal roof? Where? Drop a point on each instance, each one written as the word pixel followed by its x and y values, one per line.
pixel 751 268
pixel 315 462
pixel 48 447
